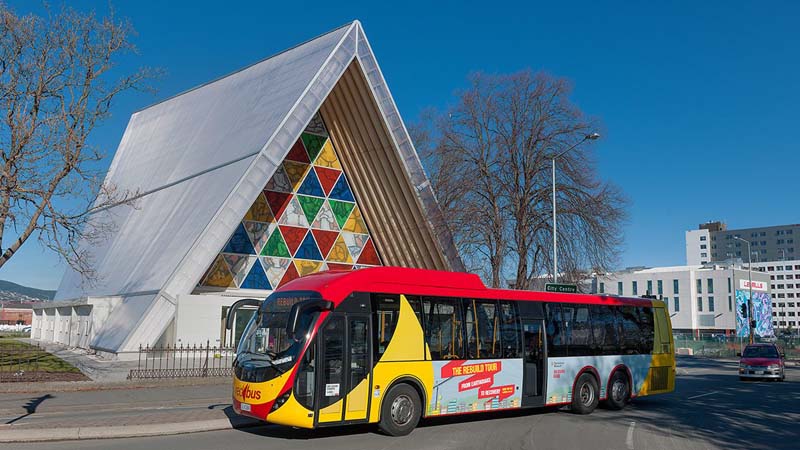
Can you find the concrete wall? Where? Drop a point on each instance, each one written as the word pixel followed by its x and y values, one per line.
pixel 199 318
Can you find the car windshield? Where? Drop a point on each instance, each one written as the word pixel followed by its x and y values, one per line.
pixel 265 337
pixel 760 351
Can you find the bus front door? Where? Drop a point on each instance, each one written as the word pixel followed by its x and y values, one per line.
pixel 346 360
pixel 533 378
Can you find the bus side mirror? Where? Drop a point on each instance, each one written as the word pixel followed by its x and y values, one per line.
pixel 238 304
pixel 298 309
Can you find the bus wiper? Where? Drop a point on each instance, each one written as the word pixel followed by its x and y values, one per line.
pixel 265 358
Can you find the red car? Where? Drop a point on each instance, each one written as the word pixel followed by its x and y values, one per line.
pixel 761 361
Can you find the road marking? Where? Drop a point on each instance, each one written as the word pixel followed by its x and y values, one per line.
pixel 629 438
pixel 703 395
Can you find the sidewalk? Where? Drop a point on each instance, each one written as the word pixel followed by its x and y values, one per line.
pixel 135 410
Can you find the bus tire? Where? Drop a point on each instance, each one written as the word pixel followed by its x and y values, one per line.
pixel 619 391
pixel 585 394
pixel 400 411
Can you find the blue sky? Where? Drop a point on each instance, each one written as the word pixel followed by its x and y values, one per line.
pixel 697 100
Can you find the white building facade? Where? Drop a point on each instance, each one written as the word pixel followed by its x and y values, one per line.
pixel 700 298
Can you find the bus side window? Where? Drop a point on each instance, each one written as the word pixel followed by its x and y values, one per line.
pixel 387 310
pixel 481 326
pixel 579 329
pixel 509 330
pixel 604 327
pixel 556 343
pixel 647 329
pixel 443 330
pixel 630 330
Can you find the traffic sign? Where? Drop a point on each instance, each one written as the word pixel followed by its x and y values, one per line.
pixel 566 288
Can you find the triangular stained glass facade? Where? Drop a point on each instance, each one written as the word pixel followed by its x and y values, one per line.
pixel 308 192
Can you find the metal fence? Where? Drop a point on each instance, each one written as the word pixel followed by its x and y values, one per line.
pixel 721 346
pixel 180 361
pixel 20 362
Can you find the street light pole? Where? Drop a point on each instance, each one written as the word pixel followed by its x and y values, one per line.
pixel 750 285
pixel 592 137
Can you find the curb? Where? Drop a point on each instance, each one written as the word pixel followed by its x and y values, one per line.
pixel 124 431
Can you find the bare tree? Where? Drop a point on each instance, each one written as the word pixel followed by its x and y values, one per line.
pixel 489 158
pixel 55 88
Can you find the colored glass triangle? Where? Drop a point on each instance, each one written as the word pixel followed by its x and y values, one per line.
pixel 259 211
pixel 305 267
pixel 289 275
pixel 355 243
pixel 279 181
pixel 315 125
pixel 313 144
pixel 258 232
pixel 355 223
pixel 298 153
pixel 369 255
pixel 341 190
pixel 311 185
pixel 325 219
pixel 218 274
pixel 277 201
pixel 295 171
pixel 275 246
pixel 275 268
pixel 325 240
pixel 239 242
pixel 338 266
pixel 308 249
pixel 256 279
pixel 310 206
pixel 293 237
pixel 237 265
pixel 293 215
pixel 327 178
pixel 339 252
pixel 327 157
pixel 341 210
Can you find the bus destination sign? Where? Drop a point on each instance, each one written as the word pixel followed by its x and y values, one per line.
pixel 563 288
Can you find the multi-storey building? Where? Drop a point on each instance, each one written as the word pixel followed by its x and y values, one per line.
pixel 774 250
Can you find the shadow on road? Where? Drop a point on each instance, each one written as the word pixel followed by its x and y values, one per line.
pixel 30 407
pixel 720 409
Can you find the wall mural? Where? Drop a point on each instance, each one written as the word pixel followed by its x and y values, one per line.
pixel 305 220
pixel 762 313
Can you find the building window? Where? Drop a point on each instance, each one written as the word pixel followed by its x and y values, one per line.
pixel 704 255
pixel 634 288
pixel 710 304
pixel 780 277
pixel 780 241
pixel 702 238
pixel 699 286
pixel 763 233
pixel 660 287
pixel 729 284
pixel 675 288
pixel 700 304
pixel 677 304
pixel 788 267
pixel 703 246
pixel 730 304
pixel 710 285
pixel 602 288
pixel 649 287
pixel 770 268
pixel 763 243
pixel 619 287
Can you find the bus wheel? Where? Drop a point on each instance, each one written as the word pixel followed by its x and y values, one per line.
pixel 584 397
pixel 619 392
pixel 400 411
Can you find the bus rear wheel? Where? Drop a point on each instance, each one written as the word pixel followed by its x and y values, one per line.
pixel 619 391
pixel 584 397
pixel 400 411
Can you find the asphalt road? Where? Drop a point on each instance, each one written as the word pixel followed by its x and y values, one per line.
pixel 710 409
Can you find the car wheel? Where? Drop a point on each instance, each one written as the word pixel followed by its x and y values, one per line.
pixel 400 411
pixel 584 397
pixel 619 391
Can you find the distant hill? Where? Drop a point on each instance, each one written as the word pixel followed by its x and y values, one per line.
pixel 15 292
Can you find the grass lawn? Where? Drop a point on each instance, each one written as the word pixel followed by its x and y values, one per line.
pixel 20 361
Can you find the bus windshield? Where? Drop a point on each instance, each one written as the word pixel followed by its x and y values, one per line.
pixel 265 339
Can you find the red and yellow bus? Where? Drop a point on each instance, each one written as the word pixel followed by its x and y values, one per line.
pixel 389 345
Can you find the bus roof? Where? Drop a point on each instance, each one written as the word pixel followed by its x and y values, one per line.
pixel 336 285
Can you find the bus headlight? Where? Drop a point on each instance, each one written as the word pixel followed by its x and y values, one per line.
pixel 280 401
